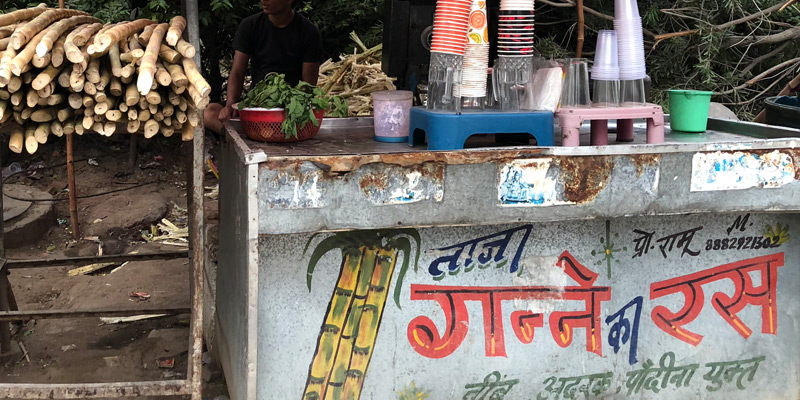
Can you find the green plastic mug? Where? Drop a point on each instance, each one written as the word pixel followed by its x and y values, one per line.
pixel 689 110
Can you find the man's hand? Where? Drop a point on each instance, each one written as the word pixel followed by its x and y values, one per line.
pixel 227 112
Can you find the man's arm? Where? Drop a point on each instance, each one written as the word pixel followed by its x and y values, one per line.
pixel 236 77
pixel 235 84
pixel 310 73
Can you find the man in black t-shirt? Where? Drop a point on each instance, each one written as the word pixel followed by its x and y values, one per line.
pixel 275 40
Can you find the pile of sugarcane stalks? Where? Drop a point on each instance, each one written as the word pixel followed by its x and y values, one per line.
pixel 63 72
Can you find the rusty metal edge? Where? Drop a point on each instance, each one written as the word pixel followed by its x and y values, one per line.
pixel 93 390
pixel 58 262
pixel 63 314
pixel 242 149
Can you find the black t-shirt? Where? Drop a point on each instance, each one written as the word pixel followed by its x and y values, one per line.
pixel 282 50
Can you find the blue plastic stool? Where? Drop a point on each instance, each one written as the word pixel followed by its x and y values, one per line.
pixel 447 130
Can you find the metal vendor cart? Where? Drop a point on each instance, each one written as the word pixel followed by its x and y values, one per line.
pixel 356 269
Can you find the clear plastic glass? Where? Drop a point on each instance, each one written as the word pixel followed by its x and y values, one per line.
pixel 575 91
pixel 605 94
pixel 444 81
pixel 512 79
pixel 632 93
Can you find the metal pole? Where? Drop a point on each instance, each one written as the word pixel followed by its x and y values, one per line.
pixel 73 197
pixel 5 332
pixel 196 234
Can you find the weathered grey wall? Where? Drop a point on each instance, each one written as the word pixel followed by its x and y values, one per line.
pixel 726 363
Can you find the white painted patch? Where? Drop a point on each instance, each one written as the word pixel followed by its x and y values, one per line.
pixel 526 183
pixel 740 170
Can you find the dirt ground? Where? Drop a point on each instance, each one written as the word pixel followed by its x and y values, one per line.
pixel 86 349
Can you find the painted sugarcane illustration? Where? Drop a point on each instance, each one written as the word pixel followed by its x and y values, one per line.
pixel 350 327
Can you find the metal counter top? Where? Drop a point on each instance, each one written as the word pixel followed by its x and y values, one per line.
pixel 342 179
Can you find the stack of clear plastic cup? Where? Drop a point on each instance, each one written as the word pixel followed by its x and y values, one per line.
pixel 476 55
pixel 450 25
pixel 605 71
pixel 575 89
pixel 630 48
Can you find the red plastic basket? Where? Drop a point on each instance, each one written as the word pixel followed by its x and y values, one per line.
pixel 265 125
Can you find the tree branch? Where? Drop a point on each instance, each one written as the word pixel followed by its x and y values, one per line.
pixel 761 76
pixel 715 28
pixel 762 58
pixel 736 41
pixel 588 10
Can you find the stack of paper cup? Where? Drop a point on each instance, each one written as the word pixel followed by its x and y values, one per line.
pixel 628 25
pixel 476 56
pixel 450 24
pixel 515 28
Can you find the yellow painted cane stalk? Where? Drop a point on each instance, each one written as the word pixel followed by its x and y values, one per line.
pixel 370 321
pixel 350 331
pixel 329 336
pixel 352 320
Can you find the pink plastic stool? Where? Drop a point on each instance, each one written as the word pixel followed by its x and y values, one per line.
pixel 571 119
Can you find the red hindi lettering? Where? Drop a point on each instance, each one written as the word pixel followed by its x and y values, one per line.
pixel 745 293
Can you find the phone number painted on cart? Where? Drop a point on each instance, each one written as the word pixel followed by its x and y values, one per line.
pixel 742 243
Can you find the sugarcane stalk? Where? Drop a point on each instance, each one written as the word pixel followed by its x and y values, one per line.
pixel 32 29
pixel 47 90
pixel 196 79
pixel 169 55
pixel 31 98
pixel 187 133
pixel 115 88
pixel 65 113
pixel 56 128
pixel 14 84
pixel 147 69
pixel 167 131
pixel 176 26
pixel 153 97
pixel 131 56
pixel 93 71
pixel 109 128
pixel 44 115
pixel 77 39
pixel 57 54
pixel 68 127
pixel 176 74
pixel 16 98
pixel 54 99
pixel 119 32
pixel 57 29
pixel 185 48
pixel 40 62
pixel 133 126
pixel 144 115
pixel 89 88
pixel 4 94
pixel 4 43
pixel 63 77
pixel 162 75
pixel 150 128
pixel 40 133
pixel 31 145
pixel 45 77
pixel 17 139
pixel 5 66
pixel 21 15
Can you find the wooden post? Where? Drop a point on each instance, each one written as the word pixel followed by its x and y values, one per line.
pixel 73 198
pixel 581 26
pixel 5 332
